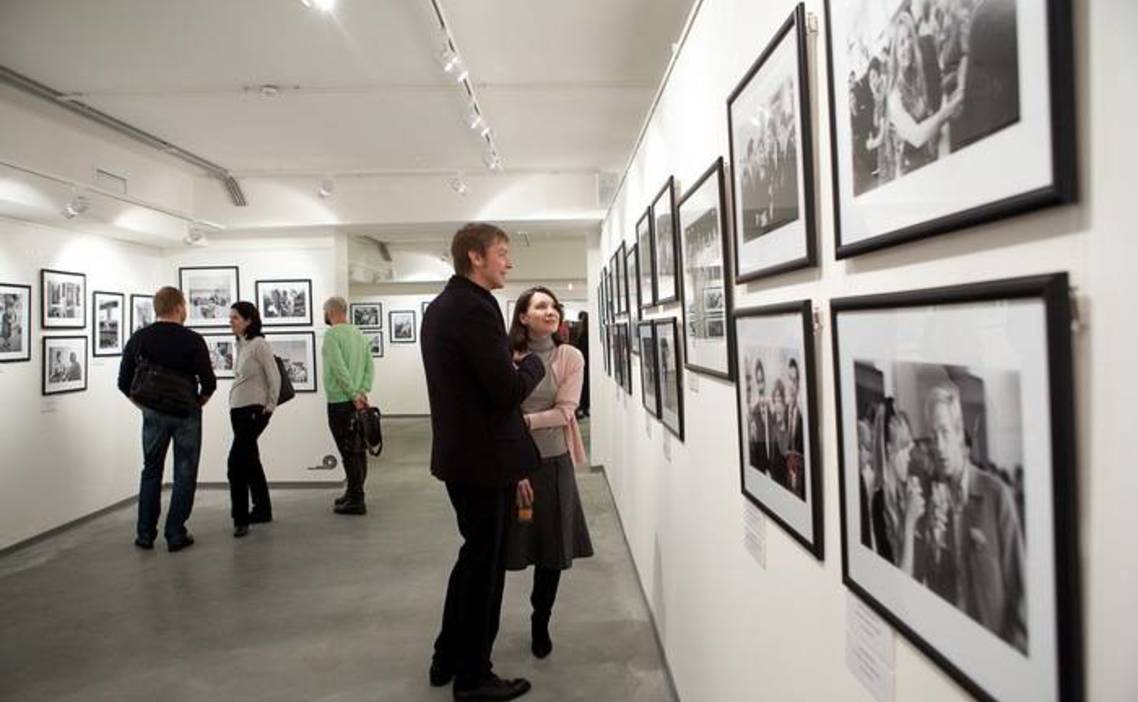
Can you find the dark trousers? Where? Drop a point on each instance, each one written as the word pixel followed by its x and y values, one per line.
pixel 545 582
pixel 350 442
pixel 474 593
pixel 158 430
pixel 246 474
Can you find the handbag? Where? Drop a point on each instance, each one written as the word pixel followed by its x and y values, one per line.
pixel 287 391
pixel 163 390
pixel 371 428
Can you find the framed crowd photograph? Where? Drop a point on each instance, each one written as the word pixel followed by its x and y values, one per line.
pixel 622 355
pixel 298 352
pixel 958 480
pixel 108 322
pixel 645 277
pixel 649 380
pixel 772 158
pixel 669 375
pixel 706 280
pixel 665 278
pixel 367 314
pixel 210 292
pixel 141 311
pixel 632 264
pixel 222 354
pixel 64 364
pixel 15 323
pixel 285 303
pixel 63 296
pixel 947 114
pixel 374 342
pixel 779 456
pixel 403 326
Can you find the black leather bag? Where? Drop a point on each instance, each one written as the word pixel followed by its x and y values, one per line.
pixel 371 427
pixel 163 390
pixel 287 390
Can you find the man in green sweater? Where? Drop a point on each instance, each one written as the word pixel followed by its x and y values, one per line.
pixel 348 375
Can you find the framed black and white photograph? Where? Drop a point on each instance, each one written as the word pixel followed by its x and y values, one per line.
pixel 632 264
pixel 606 347
pixel 108 323
pixel 402 326
pixel 222 354
pixel 706 279
pixel 63 296
pixel 620 280
pixel 285 302
pixel 210 292
pixel 622 355
pixel 15 323
pixel 958 478
pixel 64 364
pixel 610 297
pixel 772 158
pixel 946 114
pixel 298 351
pixel 649 380
pixel 374 342
pixel 645 277
pixel 141 311
pixel 665 278
pixel 366 314
pixel 670 375
pixel 779 459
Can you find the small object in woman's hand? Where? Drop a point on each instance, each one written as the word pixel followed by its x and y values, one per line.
pixel 525 514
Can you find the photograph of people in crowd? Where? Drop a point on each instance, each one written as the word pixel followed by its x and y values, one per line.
pixel 773 426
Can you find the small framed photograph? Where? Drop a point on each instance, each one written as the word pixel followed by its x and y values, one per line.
pixel 402 326
pixel 298 351
pixel 141 311
pixel 210 291
pixel 958 478
pixel 222 354
pixel 779 460
pixel 15 323
pixel 706 279
pixel 374 341
pixel 606 347
pixel 645 276
pixel 632 264
pixel 649 378
pixel 772 158
pixel 620 280
pixel 109 315
pixel 670 375
pixel 63 296
pixel 64 364
pixel 622 355
pixel 610 297
pixel 366 314
pixel 285 303
pixel 665 278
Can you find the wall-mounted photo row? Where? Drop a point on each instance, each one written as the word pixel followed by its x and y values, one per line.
pixel 622 356
pixel 109 316
pixel 958 478
pixel 780 460
pixel 670 375
pixel 63 296
pixel 665 279
pixel 374 342
pixel 298 352
pixel 402 326
pixel 772 158
pixel 222 354
pixel 285 303
pixel 645 276
pixel 947 115
pixel 210 291
pixel 64 364
pixel 141 311
pixel 15 323
pixel 366 314
pixel 706 279
pixel 649 368
pixel 632 265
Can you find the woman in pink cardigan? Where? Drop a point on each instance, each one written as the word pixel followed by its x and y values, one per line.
pixel 557 532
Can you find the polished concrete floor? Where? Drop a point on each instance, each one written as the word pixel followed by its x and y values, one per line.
pixel 311 607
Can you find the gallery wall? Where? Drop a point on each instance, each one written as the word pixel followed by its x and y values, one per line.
pixel 735 628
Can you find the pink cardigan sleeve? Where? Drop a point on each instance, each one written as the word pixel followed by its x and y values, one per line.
pixel 568 368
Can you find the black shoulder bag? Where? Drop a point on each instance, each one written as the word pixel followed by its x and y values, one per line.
pixel 287 390
pixel 163 390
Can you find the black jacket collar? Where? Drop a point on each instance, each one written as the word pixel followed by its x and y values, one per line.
pixel 460 282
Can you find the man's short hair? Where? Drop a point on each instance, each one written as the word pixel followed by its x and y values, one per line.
pixel 476 236
pixel 167 301
pixel 946 394
pixel 336 304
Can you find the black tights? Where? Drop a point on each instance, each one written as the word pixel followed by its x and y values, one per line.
pixel 545 582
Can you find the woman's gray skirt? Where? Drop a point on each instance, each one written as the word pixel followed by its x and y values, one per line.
pixel 558 532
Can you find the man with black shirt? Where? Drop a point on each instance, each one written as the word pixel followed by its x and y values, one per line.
pixel 169 345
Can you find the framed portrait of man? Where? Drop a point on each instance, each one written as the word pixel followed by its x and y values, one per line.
pixel 15 323
pixel 64 364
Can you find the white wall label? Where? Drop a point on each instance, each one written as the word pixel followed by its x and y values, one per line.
pixel 693 382
pixel 755 533
pixel 870 643
pixel 47 407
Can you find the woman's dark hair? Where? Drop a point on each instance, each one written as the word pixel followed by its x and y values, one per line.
pixel 519 334
pixel 248 312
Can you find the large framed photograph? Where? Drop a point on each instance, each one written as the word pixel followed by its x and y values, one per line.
pixel 367 314
pixel 109 317
pixel 622 355
pixel 772 158
pixel 706 279
pixel 669 374
pixel 141 311
pixel 210 292
pixel 63 296
pixel 947 114
pixel 649 369
pixel 402 326
pixel 958 478
pixel 374 341
pixel 222 354
pixel 285 302
pixel 779 457
pixel 298 351
pixel 664 275
pixel 632 265
pixel 64 364
pixel 645 276
pixel 15 323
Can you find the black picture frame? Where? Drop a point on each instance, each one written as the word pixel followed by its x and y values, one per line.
pixel 219 311
pixel 148 300
pixel 664 205
pixel 646 271
pixel 649 368
pixel 378 334
pixel 632 265
pixel 794 28
pixel 25 324
pixel 622 355
pixel 362 312
pixel 301 385
pixel 1065 673
pixel 267 318
pixel 606 346
pixel 96 332
pixel 402 315
pixel 1062 146
pixel 46 342
pixel 797 314
pixel 211 341
pixel 670 357
pixel 76 321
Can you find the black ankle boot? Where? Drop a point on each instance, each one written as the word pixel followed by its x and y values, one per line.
pixel 541 644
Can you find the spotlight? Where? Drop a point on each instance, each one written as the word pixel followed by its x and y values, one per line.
pixel 486 132
pixel 326 187
pixel 76 206
pixel 322 5
pixel 474 118
pixel 457 185
pixel 452 64
pixel 492 160
pixel 195 237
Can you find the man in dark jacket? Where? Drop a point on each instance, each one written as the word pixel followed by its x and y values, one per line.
pixel 480 448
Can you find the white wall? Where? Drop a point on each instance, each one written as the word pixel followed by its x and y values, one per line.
pixel 733 630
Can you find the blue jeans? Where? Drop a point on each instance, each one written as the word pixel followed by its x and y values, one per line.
pixel 157 431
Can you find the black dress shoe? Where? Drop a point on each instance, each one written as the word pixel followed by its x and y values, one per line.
pixel 494 688
pixel 240 530
pixel 350 508
pixel 440 675
pixel 144 543
pixel 179 544
pixel 540 644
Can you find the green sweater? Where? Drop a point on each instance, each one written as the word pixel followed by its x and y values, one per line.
pixel 348 366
